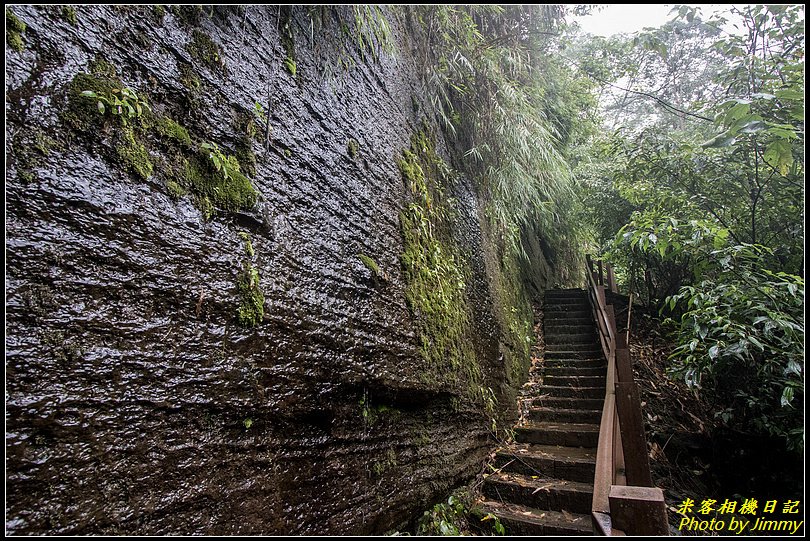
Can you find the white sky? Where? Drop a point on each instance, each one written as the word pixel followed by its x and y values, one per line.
pixel 627 18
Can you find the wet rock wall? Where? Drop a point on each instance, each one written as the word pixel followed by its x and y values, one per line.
pixel 138 399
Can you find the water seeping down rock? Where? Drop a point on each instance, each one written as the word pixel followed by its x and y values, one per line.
pixel 244 337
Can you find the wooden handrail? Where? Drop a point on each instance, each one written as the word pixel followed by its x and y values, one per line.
pixel 624 500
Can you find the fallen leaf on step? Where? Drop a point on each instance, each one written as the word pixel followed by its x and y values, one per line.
pixel 538 489
pixel 567 515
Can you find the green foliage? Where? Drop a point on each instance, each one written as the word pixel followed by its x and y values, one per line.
pixel 225 165
pixel 121 102
pixel 290 66
pixel 371 31
pixel 14 31
pixel 448 518
pixel 251 307
pixel 203 48
pixel 740 330
pixel 496 80
pixel 248 422
pixel 365 29
pixel 497 527
pixel 458 516
pixel 258 111
pixel 69 14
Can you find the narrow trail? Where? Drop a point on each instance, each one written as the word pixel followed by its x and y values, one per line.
pixel 543 483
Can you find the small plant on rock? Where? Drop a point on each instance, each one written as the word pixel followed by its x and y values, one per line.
pixel 122 102
pixel 226 165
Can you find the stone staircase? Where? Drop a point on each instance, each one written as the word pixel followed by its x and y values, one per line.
pixel 543 483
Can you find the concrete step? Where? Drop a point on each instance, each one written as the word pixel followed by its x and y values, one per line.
pixel 564 311
pixel 568 362
pixel 588 353
pixel 520 520
pixel 565 293
pixel 563 415
pixel 556 321
pixel 540 493
pixel 561 391
pixel 574 371
pixel 566 343
pixel 574 381
pixel 568 402
pixel 565 328
pixel 567 434
pixel 569 463
pixel 589 336
pixel 568 301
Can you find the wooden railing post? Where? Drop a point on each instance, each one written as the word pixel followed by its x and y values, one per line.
pixel 638 510
pixel 621 456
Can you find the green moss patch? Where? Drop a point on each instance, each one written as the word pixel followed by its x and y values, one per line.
pixel 173 132
pixel 434 278
pixel 352 147
pixel 203 48
pixel 251 306
pixel 232 194
pixel 176 191
pixel 69 14
pixel 189 78
pixel 248 245
pixel 14 31
pixel 133 154
pixel 81 113
pixel 290 66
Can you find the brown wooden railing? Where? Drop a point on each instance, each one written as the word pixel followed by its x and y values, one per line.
pixel 624 499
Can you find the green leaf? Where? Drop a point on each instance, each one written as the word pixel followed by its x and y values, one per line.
pixel 100 107
pixel 789 94
pixel 752 126
pixel 723 140
pixel 89 93
pixel 779 156
pixel 737 112
pixel 787 396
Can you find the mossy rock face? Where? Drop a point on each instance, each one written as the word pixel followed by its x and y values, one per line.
pixel 203 48
pixel 434 276
pixel 80 112
pixel 133 154
pixel 14 31
pixel 232 194
pixel 173 132
pixel 69 14
pixel 251 307
pixel 189 78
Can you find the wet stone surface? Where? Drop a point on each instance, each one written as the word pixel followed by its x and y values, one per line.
pixel 135 401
